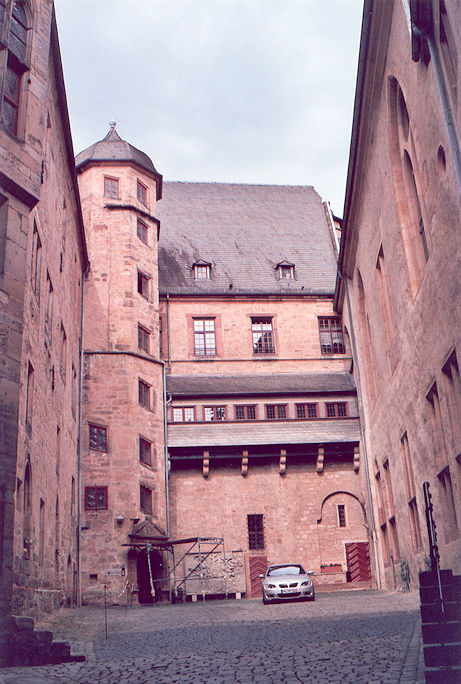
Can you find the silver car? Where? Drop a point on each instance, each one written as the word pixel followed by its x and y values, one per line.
pixel 287 582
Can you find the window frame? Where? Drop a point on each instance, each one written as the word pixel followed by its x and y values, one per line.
pixel 245 408
pixel 263 340
pixel 337 412
pixel 143 285
pixel 182 409
pixel 142 231
pixel 144 391
pixel 143 443
pixel 143 339
pixel 100 430
pixel 308 408
pixel 328 331
pixel 341 513
pixel 141 192
pixel 214 409
pixel 255 526
pixel 143 492
pixel 209 347
pixel 97 489
pixel 111 187
pixel 277 409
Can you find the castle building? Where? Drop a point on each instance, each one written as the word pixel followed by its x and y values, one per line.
pixel 400 278
pixel 225 386
pixel 42 261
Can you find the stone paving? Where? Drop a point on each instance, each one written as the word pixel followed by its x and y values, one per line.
pixel 364 637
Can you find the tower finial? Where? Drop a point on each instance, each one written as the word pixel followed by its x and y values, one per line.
pixel 112 124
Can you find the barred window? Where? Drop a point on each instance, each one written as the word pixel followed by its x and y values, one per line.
pixel 95 498
pixel 144 393
pixel 143 339
pixel 211 413
pixel 98 438
pixel 341 515
pixel 142 231
pixel 306 410
pixel 255 531
pixel 337 409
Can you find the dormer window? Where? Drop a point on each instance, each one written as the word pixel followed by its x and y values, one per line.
pixel 285 271
pixel 202 270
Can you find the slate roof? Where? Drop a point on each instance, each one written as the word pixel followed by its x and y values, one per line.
pixel 263 432
pixel 244 231
pixel 112 148
pixel 280 383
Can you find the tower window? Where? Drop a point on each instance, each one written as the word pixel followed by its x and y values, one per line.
pixel 111 187
pixel 141 192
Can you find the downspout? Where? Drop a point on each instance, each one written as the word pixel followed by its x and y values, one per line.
pixel 451 128
pixel 166 403
pixel 79 433
pixel 168 330
pixel 362 432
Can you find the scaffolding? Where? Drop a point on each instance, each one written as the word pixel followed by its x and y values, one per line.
pixel 201 548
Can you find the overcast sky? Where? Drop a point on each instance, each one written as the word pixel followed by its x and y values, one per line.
pixel 241 91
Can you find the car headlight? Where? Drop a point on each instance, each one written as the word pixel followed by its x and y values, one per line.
pixel 307 583
pixel 269 586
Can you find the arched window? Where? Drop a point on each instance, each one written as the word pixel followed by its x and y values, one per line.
pixel 405 176
pixel 15 28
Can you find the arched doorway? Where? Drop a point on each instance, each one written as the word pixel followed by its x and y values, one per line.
pixel 144 576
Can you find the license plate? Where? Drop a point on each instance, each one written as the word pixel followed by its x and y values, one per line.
pixel 288 591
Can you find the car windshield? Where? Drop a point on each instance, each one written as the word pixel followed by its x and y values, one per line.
pixel 285 570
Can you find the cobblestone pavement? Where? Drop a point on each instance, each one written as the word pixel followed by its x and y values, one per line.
pixel 346 637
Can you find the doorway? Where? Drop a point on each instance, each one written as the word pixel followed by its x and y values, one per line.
pixel 144 578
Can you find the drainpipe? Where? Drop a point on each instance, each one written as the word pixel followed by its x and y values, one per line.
pixel 444 99
pixel 362 433
pixel 166 403
pixel 79 433
pixel 168 329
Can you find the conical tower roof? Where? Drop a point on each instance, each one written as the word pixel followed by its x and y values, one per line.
pixel 113 149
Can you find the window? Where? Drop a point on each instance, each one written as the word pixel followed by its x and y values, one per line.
pixel 437 428
pixel 214 413
pixel 389 493
pixel 63 358
pixel 410 492
pixel 111 187
pixel 98 438
pixel 255 531
pixel 49 305
pixel 285 271
pixel 451 523
pixel 452 387
pixel 414 524
pixel 15 65
pixel 245 412
pixel 95 498
pixel 141 192
pixel 143 339
pixel 306 410
pixel 145 451
pixel 143 285
pixel 276 411
pixel 337 409
pixel 183 414
pixel 73 397
pixel 263 336
pixel 144 394
pixel 29 395
pixel 394 538
pixel 341 515
pixel 331 336
pixel 145 495
pixel 36 262
pixel 202 271
pixel 142 231
pixel 204 337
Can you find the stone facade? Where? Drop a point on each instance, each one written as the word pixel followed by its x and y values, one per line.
pixel 400 265
pixel 42 261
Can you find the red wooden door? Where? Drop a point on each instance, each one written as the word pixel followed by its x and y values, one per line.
pixel 257 566
pixel 358 562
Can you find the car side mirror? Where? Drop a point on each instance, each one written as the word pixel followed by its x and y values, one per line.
pixel 310 572
pixel 261 576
